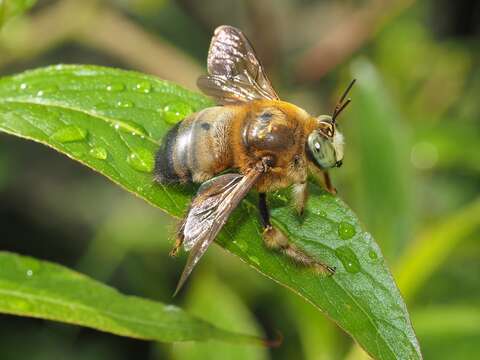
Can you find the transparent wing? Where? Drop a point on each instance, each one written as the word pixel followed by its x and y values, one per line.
pixel 209 211
pixel 234 72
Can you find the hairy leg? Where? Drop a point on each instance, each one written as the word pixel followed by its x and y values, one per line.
pixel 299 196
pixel 322 176
pixel 328 183
pixel 275 239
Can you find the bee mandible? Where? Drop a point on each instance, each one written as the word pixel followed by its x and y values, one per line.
pixel 268 144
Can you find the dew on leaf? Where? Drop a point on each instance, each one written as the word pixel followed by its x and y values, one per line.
pixel 115 87
pixel 173 113
pixel 99 153
pixel 255 260
pixel 125 104
pixel 143 87
pixel 29 272
pixel 321 213
pixel 129 127
pixel 345 230
pixel 69 134
pixel 348 258
pixel 23 86
pixel 373 255
pixel 242 245
pixel 141 159
pixel 47 90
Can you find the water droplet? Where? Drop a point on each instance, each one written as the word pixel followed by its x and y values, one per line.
pixel 255 260
pixel 23 86
pixel 141 159
pixel 47 90
pixel 242 245
pixel 281 198
pixel 99 153
pixel 125 104
pixel 69 134
pixel 345 230
pixel 115 87
pixel 172 308
pixel 348 258
pixel 129 127
pixel 144 87
pixel 373 255
pixel 321 213
pixel 175 112
pixel 29 272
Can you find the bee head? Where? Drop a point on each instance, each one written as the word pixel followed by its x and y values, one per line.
pixel 325 143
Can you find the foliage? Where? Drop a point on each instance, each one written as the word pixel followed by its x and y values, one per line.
pixel 30 287
pixel 112 120
pixel 11 8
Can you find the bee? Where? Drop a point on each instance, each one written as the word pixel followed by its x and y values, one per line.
pixel 267 144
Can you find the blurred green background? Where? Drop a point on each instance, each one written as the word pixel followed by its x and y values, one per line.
pixel 411 171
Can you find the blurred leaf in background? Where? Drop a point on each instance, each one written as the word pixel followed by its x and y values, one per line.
pixel 423 161
pixel 11 8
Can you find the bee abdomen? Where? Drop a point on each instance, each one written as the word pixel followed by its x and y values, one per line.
pixel 192 150
pixel 165 171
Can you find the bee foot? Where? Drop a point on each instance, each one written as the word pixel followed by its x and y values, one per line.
pixel 324 269
pixel 332 190
pixel 275 239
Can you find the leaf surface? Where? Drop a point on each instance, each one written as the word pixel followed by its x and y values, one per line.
pixel 30 287
pixel 113 122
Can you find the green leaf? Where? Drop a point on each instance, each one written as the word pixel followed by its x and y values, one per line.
pixel 225 311
pixel 383 180
pixel 10 8
pixel 433 247
pixel 123 116
pixel 29 287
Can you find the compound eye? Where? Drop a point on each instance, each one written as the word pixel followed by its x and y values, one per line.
pixel 322 150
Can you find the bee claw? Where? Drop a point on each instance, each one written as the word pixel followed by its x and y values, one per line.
pixel 332 191
pixel 325 269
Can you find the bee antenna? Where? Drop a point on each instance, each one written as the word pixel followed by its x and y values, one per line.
pixel 341 105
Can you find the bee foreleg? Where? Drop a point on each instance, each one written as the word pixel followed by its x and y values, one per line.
pixel 328 183
pixel 299 196
pixel 176 247
pixel 179 239
pixel 275 239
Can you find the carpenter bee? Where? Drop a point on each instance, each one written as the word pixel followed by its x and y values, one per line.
pixel 267 143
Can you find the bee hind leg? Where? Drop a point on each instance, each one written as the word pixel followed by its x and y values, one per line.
pixel 276 240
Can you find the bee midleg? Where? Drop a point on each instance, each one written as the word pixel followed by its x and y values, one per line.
pixel 299 196
pixel 276 240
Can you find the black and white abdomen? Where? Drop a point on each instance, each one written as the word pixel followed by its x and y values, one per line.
pixel 196 148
